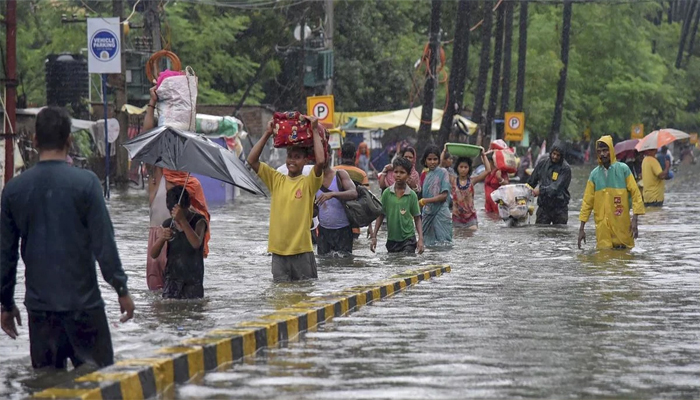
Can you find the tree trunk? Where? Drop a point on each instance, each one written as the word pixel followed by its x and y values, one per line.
pixel 522 57
pixel 429 89
pixel 507 58
pixel 687 20
pixel 671 4
pixel 561 86
pixel 496 71
pixel 458 71
pixel 478 109
pixel 693 34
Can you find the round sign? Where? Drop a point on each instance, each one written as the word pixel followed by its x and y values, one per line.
pixel 320 110
pixel 514 123
pixel 637 129
pixel 104 45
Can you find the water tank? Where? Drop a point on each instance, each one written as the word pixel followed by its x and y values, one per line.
pixel 67 80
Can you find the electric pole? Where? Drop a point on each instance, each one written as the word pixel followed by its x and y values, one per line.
pixel 151 24
pixel 329 31
pixel 119 87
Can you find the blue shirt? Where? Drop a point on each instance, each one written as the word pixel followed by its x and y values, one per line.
pixel 60 216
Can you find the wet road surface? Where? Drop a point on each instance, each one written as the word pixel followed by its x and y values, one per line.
pixel 524 313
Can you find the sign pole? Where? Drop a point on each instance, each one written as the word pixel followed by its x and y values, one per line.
pixel 107 152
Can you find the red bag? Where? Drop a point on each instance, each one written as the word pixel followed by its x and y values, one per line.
pixel 505 161
pixel 292 129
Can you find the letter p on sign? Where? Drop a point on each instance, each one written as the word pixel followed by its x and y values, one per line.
pixel 321 107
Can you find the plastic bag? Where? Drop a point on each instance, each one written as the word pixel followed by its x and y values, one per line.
pixel 505 161
pixel 513 201
pixel 177 101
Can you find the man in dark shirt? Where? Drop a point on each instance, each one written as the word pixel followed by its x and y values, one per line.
pixel 60 216
pixel 553 175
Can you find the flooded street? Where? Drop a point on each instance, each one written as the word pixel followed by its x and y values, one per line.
pixel 523 313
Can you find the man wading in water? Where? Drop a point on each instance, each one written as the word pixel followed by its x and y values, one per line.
pixel 609 189
pixel 60 215
pixel 553 176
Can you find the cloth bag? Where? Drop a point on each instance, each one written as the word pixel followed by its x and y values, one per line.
pixel 363 210
pixel 177 101
pixel 292 128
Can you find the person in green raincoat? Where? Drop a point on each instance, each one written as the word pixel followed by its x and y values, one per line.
pixel 610 193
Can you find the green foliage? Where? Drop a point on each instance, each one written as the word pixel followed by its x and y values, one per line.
pixel 620 73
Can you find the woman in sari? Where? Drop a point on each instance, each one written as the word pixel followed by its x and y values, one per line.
pixel 386 177
pixel 437 219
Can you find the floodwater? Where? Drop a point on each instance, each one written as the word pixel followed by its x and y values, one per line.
pixel 523 313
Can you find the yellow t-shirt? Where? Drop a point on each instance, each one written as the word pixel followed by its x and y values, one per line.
pixel 653 186
pixel 291 210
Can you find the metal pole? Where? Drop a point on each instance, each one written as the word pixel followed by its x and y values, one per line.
pixel 104 104
pixel 11 89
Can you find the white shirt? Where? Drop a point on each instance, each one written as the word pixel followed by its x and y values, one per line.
pixel 305 171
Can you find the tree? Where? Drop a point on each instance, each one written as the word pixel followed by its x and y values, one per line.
pixel 429 90
pixel 522 58
pixel 458 77
pixel 484 63
pixel 561 86
pixel 687 20
pixel 496 74
pixel 507 57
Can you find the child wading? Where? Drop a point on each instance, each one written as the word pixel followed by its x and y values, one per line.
pixel 400 207
pixel 463 210
pixel 437 219
pixel 184 270
pixel 291 207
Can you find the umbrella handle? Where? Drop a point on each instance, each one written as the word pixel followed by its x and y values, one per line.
pixel 172 221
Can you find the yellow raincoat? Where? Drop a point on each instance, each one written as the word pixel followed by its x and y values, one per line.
pixel 609 194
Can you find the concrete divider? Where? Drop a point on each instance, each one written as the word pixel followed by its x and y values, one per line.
pixel 144 378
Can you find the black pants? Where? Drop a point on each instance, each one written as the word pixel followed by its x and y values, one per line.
pixel 404 246
pixel 556 216
pixel 83 336
pixel 339 240
pixel 654 204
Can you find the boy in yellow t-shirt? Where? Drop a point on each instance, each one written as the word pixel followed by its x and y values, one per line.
pixel 291 207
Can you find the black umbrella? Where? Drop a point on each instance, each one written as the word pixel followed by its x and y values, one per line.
pixel 174 149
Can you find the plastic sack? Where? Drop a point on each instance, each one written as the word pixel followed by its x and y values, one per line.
pixel 505 161
pixel 177 101
pixel 513 201
pixel 212 125
pixel 498 144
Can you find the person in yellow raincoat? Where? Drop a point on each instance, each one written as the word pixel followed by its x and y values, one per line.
pixel 610 193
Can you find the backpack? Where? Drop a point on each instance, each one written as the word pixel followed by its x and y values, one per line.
pixel 363 210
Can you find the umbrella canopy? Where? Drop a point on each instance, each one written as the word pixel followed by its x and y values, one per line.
pixel 174 149
pixel 410 117
pixel 625 149
pixel 660 138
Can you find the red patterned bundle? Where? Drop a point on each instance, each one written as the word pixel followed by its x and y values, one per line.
pixel 292 129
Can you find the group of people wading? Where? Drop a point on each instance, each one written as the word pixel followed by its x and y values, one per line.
pixel 56 218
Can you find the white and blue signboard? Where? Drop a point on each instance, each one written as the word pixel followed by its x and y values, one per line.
pixel 104 47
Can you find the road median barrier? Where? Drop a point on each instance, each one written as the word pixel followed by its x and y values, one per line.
pixel 144 378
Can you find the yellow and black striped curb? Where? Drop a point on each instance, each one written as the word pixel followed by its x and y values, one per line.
pixel 144 378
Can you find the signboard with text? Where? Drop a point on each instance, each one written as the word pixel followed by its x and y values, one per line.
pixel 321 107
pixel 104 46
pixel 514 126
